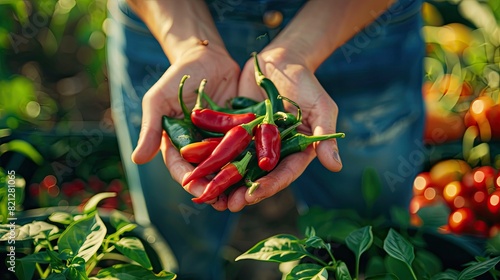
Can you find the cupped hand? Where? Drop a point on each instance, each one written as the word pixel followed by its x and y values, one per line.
pixel 201 62
pixel 294 80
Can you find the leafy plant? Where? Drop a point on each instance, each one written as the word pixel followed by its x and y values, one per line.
pixel 72 247
pixel 400 261
pixel 382 248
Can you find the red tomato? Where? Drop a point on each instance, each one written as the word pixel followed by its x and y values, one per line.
pixel 452 190
pixel 461 221
pixel 493 117
pixel 479 203
pixel 480 178
pixel 421 183
pixel 479 106
pixel 447 171
pixel 497 181
pixel 494 205
pixel 418 202
pixel 481 228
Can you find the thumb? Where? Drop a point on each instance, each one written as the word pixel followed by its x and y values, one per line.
pixel 327 151
pixel 150 135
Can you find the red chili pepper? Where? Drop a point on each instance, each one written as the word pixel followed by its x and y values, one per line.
pixel 199 151
pixel 216 121
pixel 229 175
pixel 232 144
pixel 268 140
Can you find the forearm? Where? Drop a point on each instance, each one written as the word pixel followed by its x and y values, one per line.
pixel 324 25
pixel 178 25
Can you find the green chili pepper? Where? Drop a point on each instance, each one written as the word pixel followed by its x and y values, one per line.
pixel 241 102
pixel 181 131
pixel 296 143
pixel 268 86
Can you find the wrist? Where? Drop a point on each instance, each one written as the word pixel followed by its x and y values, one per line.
pixel 179 26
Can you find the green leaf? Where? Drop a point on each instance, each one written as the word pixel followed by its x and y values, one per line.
pixel 39 257
pixel 310 231
pixel 33 230
pixel 398 268
pixel 398 247
pixel 342 273
pixel 371 186
pixel 448 274
pixel 61 218
pixel 315 242
pixel 76 270
pixel 360 240
pixel 375 266
pixel 22 147
pixel 24 270
pixel 386 276
pixel 91 204
pixel 56 276
pixel 133 248
pixel 308 271
pixel 401 216
pixel 279 248
pixel 83 237
pixel 426 263
pixel 131 272
pixel 493 245
pixel 118 220
pixel 125 229
pixel 478 268
pixel 330 224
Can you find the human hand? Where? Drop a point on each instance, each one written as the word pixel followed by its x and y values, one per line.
pixel 294 80
pixel 201 62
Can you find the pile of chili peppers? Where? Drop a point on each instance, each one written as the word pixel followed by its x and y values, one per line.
pixel 239 143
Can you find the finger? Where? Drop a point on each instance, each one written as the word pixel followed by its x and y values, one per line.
pixel 281 177
pixel 325 122
pixel 247 85
pixel 236 201
pixel 150 135
pixel 174 162
pixel 221 203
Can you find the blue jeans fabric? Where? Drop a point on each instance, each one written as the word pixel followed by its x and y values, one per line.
pixel 375 78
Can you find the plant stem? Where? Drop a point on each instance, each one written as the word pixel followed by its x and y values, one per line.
pixel 318 260
pixel 412 273
pixel 332 257
pixel 357 268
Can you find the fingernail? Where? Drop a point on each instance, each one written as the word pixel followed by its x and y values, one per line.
pixel 336 156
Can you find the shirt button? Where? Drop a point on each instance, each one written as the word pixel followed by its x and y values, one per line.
pixel 272 19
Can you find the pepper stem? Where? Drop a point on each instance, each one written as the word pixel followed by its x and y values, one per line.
pixel 185 111
pixel 259 76
pixel 289 130
pixel 299 111
pixel 315 138
pixel 210 102
pixel 201 91
pixel 241 165
pixel 267 85
pixel 250 125
pixel 269 117
pixel 252 186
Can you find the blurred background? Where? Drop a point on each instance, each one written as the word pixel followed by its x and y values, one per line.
pixel 56 130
